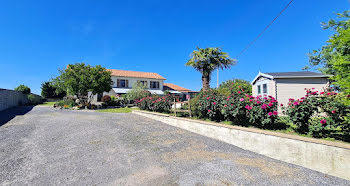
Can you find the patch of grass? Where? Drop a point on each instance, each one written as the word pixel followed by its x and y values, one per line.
pixel 118 110
pixel 47 104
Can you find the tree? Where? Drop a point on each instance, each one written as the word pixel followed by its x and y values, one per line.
pixel 24 89
pixel 334 57
pixel 48 90
pixel 206 60
pixel 233 86
pixel 138 91
pixel 80 79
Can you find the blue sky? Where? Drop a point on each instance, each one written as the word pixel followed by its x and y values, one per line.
pixel 39 37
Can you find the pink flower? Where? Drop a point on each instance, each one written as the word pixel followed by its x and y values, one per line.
pixel 242 99
pixel 239 92
pixel 323 121
pixel 312 88
pixel 275 113
pixel 209 110
pixel 270 104
pixel 214 103
pixel 231 104
pixel 281 105
pixel 225 105
pixel 258 102
pixel 334 111
pixel 248 107
pixel 265 98
pixel 264 106
pixel 322 93
pixel 208 98
pixel 270 113
pixel 250 100
pixel 296 103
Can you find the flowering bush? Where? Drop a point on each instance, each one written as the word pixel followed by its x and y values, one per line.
pixel 318 114
pixel 235 107
pixel 209 105
pixel 262 111
pixel 156 103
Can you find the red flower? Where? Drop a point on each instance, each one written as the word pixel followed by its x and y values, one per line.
pixel 239 92
pixel 209 110
pixel 334 111
pixel 208 98
pixel 270 113
pixel 264 106
pixel 248 107
pixel 214 103
pixel 275 113
pixel 281 105
pixel 258 102
pixel 328 93
pixel 270 104
pixel 296 103
pixel 323 121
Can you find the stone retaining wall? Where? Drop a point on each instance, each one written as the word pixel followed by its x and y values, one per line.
pixel 11 98
pixel 328 157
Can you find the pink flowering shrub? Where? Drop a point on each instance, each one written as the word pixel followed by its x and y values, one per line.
pixel 262 111
pixel 156 103
pixel 319 114
pixel 209 105
pixel 234 107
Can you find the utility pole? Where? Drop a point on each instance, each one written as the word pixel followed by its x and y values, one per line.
pixel 217 78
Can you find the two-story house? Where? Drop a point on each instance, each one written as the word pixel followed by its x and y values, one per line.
pixel 123 81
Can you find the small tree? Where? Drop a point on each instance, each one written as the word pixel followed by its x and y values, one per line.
pixel 334 57
pixel 206 60
pixel 80 79
pixel 24 89
pixel 138 91
pixel 48 90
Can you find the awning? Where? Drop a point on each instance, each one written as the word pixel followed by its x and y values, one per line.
pixel 175 92
pixel 121 90
pixel 126 90
pixel 158 92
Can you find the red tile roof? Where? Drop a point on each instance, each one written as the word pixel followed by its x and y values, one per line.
pixel 176 87
pixel 127 73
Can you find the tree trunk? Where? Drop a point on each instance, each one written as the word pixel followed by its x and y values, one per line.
pixel 205 82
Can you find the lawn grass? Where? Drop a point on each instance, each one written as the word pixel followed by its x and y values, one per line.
pixel 118 110
pixel 47 104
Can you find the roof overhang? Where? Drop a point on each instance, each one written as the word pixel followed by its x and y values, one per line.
pixel 261 75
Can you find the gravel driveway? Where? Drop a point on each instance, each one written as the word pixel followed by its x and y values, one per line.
pixel 62 147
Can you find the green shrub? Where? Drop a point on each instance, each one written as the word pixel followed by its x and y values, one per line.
pixel 66 103
pixel 34 100
pixel 230 87
pixel 24 89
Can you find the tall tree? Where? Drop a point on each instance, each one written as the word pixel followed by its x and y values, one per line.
pixel 334 57
pixel 206 60
pixel 48 90
pixel 80 79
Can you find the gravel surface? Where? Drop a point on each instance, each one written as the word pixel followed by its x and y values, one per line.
pixel 60 147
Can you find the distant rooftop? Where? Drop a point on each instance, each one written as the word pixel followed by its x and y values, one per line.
pixel 175 87
pixel 127 73
pixel 295 74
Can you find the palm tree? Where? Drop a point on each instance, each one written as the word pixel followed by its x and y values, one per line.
pixel 206 60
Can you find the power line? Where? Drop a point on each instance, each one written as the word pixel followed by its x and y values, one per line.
pixel 252 42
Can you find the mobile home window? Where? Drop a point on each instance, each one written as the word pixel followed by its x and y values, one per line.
pixel 155 84
pixel 265 88
pixel 259 89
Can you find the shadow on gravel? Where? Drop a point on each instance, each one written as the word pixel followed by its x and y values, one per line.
pixel 8 114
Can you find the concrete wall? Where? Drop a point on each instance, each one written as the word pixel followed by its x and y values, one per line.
pixel 324 156
pixel 11 98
